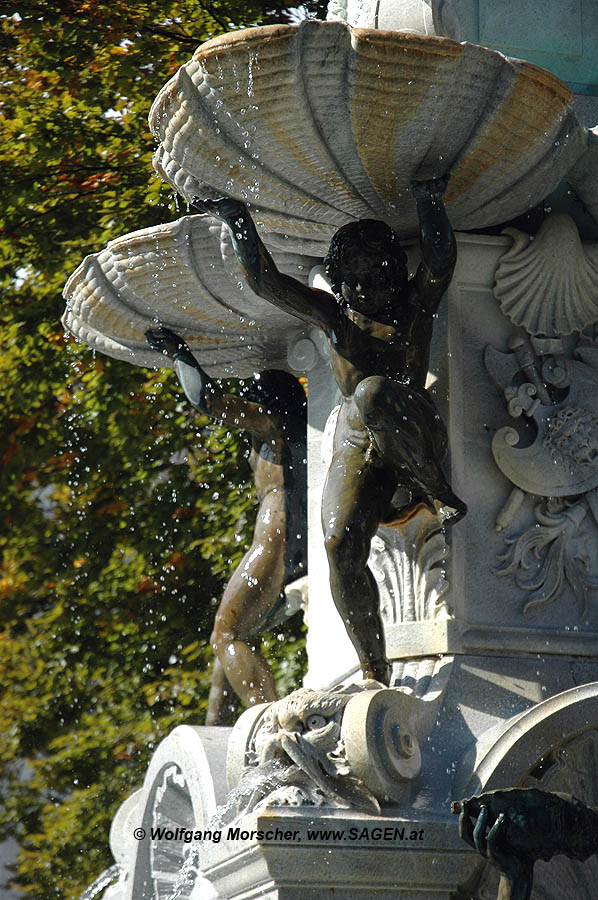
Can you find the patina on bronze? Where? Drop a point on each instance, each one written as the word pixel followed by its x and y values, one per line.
pixel 272 409
pixel 389 440
pixel 515 827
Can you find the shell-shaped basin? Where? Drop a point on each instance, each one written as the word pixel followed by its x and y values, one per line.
pixel 182 275
pixel 318 124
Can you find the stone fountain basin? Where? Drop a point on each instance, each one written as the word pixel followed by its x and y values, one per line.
pixel 183 275
pixel 318 124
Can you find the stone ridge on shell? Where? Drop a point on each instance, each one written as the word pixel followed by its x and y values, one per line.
pixel 182 275
pixel 318 124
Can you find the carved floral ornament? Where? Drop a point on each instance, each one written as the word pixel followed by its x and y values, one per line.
pixel 549 378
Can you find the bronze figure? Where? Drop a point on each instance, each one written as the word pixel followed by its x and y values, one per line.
pixel 389 439
pixel 272 409
pixel 515 827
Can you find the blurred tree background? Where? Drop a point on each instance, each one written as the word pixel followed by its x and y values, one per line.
pixel 123 511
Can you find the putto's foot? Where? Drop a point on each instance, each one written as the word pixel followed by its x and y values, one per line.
pixel 379 671
pixel 450 508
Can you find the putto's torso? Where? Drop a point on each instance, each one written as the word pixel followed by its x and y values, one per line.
pixel 360 347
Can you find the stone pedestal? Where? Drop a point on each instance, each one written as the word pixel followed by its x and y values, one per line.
pixel 295 855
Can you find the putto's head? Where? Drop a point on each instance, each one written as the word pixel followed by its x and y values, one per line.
pixel 366 266
pixel 280 392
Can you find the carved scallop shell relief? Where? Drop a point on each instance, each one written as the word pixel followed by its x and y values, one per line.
pixel 549 284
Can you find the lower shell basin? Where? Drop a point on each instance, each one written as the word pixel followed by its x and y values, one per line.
pixel 318 124
pixel 183 275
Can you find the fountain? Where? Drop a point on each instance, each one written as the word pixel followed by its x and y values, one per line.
pixel 490 628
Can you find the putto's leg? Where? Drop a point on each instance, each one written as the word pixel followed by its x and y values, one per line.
pixel 410 437
pixel 249 597
pixel 355 494
pixel 222 702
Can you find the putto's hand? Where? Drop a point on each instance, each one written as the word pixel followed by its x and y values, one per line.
pixel 221 207
pixel 433 189
pixel 487 834
pixel 162 340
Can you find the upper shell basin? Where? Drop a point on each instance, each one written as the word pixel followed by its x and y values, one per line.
pixel 318 124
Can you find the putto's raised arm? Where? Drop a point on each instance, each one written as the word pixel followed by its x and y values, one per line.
pixel 205 395
pixel 199 388
pixel 436 238
pixel 317 308
pixel 437 244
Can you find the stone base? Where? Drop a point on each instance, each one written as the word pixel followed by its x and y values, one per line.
pixel 323 852
pixel 410 850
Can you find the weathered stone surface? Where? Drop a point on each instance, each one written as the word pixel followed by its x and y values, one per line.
pixel 183 275
pixel 310 147
pixel 415 858
pixel 548 284
pixel 353 748
pixel 559 36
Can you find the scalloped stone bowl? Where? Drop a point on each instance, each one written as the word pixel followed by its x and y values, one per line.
pixel 183 275
pixel 318 124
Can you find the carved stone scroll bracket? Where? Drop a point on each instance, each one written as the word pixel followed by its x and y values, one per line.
pixel 351 749
pixel 509 752
pixel 378 733
pixel 425 680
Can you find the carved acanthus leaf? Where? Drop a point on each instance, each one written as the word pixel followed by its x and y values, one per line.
pixel 556 552
pixel 409 564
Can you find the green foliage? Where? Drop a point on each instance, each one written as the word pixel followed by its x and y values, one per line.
pixel 122 511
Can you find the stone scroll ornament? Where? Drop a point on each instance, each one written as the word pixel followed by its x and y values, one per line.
pixel 549 377
pixel 350 749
